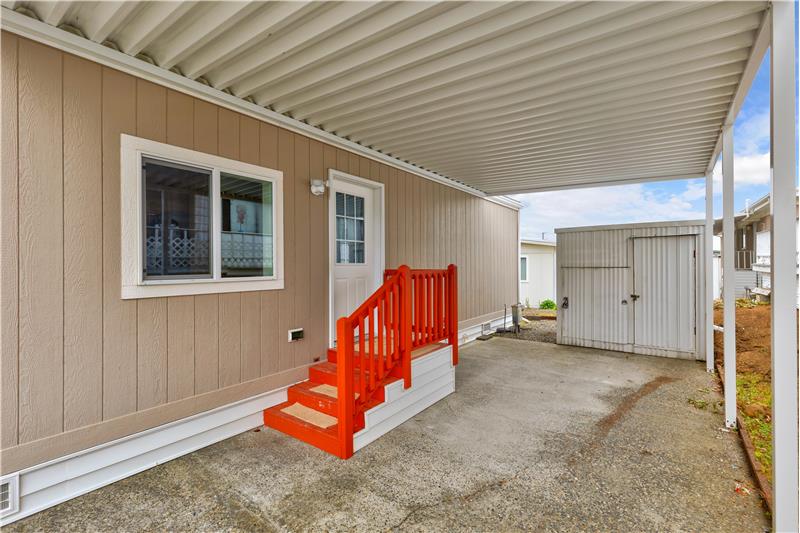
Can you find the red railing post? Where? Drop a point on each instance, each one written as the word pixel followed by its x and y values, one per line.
pixel 452 305
pixel 405 324
pixel 344 382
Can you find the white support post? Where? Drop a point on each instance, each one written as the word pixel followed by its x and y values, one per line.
pixel 728 277
pixel 709 262
pixel 784 271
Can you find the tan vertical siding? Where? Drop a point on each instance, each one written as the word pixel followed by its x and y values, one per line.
pixel 206 343
pixel 119 316
pixel 180 347
pixel 230 339
pixel 93 367
pixel 9 246
pixel 286 310
pixel 270 312
pixel 251 336
pixel 317 334
pixel 83 237
pixel 301 241
pixel 151 361
pixel 41 260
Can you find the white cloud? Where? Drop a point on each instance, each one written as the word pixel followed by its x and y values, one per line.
pixel 695 189
pixel 747 170
pixel 604 205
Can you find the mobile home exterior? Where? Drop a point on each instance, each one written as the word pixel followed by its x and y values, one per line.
pixel 414 113
pixel 537 272
pixel 92 353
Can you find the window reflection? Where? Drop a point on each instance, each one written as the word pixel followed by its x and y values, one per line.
pixel 177 220
pixel 247 233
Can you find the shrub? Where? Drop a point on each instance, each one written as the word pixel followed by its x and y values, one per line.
pixel 547 304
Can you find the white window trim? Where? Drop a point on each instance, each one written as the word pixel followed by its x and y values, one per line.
pixel 527 269
pixel 133 283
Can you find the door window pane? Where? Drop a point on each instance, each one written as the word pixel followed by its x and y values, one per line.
pixel 177 220
pixel 247 236
pixel 350 229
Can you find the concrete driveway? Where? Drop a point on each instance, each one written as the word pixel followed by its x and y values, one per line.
pixel 537 437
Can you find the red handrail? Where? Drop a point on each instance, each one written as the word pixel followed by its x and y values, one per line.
pixel 434 307
pixel 413 308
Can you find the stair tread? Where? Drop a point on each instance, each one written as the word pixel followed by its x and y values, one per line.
pixel 309 415
pixel 275 417
pixel 322 389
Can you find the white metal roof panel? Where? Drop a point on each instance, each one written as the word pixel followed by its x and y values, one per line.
pixel 503 97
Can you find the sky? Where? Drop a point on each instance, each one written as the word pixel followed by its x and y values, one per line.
pixel 665 200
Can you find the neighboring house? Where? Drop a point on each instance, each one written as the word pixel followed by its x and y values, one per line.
pixel 752 251
pixel 537 272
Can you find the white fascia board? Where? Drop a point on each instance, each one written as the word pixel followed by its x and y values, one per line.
pixel 757 51
pixel 610 181
pixel 44 33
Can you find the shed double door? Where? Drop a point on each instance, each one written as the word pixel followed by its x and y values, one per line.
pixel 647 306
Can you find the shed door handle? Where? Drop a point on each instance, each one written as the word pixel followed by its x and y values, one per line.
pixel 634 297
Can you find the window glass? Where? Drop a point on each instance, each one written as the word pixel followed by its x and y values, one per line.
pixel 523 269
pixel 247 233
pixel 349 229
pixel 177 220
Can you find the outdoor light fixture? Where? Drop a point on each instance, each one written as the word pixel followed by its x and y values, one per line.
pixel 317 187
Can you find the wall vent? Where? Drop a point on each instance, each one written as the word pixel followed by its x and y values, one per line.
pixel 296 334
pixel 9 495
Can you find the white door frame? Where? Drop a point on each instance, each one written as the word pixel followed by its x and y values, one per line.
pixel 379 216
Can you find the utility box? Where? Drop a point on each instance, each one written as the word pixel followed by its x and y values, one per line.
pixel 635 288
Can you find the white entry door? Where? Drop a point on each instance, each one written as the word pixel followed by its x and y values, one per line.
pixel 356 247
pixel 664 292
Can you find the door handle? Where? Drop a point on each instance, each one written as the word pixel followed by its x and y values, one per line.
pixel 565 303
pixel 634 297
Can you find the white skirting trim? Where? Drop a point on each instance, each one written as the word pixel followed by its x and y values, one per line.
pixel 471 333
pixel 48 484
pixel 56 481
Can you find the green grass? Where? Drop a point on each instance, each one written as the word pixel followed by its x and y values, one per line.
pixel 754 390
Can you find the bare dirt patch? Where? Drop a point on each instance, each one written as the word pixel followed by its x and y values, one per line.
pixel 752 339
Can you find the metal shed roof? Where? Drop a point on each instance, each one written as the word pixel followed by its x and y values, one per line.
pixel 504 97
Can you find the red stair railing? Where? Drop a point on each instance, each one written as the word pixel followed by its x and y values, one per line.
pixel 413 308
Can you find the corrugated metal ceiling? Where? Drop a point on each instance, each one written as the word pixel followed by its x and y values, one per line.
pixel 505 97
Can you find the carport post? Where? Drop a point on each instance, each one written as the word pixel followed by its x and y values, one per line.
pixel 728 277
pixel 709 260
pixel 783 143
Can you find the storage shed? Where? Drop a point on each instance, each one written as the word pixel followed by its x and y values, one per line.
pixel 633 288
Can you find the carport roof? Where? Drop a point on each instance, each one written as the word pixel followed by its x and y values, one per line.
pixel 502 97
